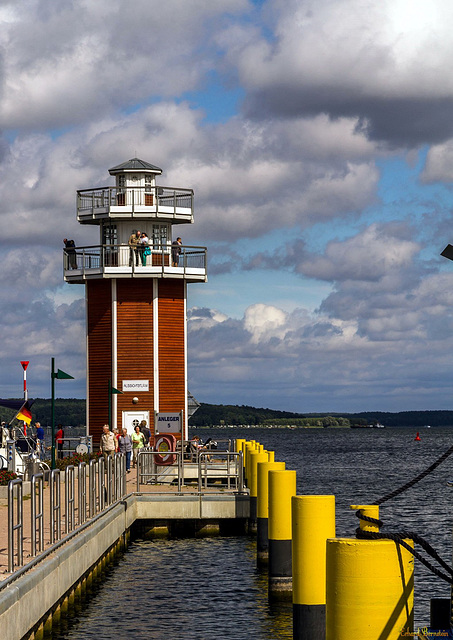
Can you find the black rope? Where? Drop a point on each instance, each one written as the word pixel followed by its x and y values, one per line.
pixel 420 476
pixel 398 537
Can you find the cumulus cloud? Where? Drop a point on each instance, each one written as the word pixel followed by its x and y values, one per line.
pixel 370 256
pixel 66 61
pixel 387 63
pixel 389 350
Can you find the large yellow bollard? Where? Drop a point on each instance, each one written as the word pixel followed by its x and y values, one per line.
pixel 282 487
pixel 313 521
pixel 262 508
pixel 255 458
pixel 249 448
pixel 238 444
pixel 370 590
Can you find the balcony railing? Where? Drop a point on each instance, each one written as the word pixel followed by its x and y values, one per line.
pixel 152 200
pixel 121 259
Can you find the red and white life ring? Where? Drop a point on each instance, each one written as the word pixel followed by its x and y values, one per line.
pixel 165 444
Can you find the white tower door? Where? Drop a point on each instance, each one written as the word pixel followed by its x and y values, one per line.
pixel 131 419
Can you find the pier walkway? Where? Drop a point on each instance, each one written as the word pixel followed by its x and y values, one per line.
pixel 146 490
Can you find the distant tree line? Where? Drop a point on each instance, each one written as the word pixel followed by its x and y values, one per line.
pixel 68 411
pixel 216 414
pixel 72 411
pixel 209 415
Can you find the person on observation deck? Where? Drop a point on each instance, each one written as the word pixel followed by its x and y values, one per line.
pixel 175 252
pixel 71 252
pixel 134 244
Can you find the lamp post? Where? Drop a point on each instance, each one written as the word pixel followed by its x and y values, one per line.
pixel 60 375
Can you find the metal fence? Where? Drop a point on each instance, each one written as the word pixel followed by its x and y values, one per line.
pixel 204 468
pixel 155 199
pixel 122 256
pixel 94 494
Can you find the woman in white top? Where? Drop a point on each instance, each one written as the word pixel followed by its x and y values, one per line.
pixel 144 248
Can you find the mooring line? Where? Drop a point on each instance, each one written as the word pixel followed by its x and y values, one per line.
pixel 400 536
pixel 420 476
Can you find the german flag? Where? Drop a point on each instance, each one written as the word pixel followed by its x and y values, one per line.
pixel 24 413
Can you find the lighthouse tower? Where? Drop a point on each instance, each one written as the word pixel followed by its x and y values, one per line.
pixel 136 295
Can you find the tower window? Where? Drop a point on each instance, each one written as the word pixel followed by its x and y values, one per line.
pixel 160 235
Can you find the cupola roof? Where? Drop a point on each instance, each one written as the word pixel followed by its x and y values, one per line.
pixel 135 164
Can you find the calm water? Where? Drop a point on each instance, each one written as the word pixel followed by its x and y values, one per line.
pixel 206 589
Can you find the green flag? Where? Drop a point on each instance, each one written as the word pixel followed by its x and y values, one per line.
pixel 61 375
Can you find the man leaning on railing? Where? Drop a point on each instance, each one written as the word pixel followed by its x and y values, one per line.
pixel 71 253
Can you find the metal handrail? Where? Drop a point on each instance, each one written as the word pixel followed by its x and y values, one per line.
pixel 15 527
pixel 110 477
pixel 205 463
pixel 92 502
pixel 148 198
pixel 82 491
pixel 101 484
pixel 108 492
pixel 74 441
pixel 120 256
pixel 69 498
pixel 37 513
pixel 147 472
pixel 120 475
pixel 55 505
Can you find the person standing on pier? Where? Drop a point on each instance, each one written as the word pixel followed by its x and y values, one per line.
pixel 40 440
pixel 138 442
pixel 109 444
pixel 146 433
pixel 59 439
pixel 125 446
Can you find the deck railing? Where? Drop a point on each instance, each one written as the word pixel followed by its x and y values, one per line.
pixel 92 201
pixel 100 257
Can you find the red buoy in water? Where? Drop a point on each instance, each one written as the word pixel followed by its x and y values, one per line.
pixel 417 437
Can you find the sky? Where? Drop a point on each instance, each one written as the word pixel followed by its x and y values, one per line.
pixel 318 139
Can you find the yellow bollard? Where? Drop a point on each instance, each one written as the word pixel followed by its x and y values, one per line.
pixel 370 590
pixel 262 508
pixel 250 448
pixel 238 444
pixel 255 458
pixel 370 510
pixel 313 521
pixel 282 487
pixel 271 455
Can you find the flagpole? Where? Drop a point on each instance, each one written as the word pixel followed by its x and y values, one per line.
pixel 25 364
pixel 61 375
